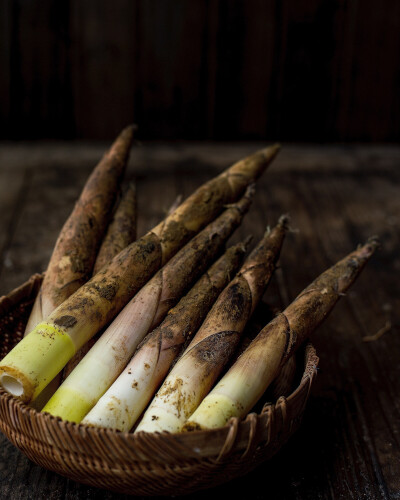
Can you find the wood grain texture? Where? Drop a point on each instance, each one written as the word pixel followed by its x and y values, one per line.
pixel 348 446
pixel 313 70
pixel 102 47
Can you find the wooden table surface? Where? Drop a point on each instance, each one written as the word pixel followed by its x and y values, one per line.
pixel 349 444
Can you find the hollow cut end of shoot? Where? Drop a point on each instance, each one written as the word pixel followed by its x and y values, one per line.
pixel 35 361
pixel 16 383
pixel 12 385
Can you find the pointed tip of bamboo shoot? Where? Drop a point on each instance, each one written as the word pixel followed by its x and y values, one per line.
pixel 246 243
pixel 373 243
pixel 122 144
pixel 131 127
pixel 270 151
pixel 250 191
pixel 245 201
pixel 284 221
pixel 126 134
pixel 175 204
pixel 366 250
pixel 131 187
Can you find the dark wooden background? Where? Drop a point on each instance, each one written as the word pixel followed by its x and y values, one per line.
pixel 310 70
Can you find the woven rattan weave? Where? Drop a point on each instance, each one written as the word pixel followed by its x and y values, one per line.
pixel 143 464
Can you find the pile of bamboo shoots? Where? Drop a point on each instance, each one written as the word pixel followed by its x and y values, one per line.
pixel 148 334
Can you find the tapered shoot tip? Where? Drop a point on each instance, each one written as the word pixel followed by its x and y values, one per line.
pixel 371 245
pixel 245 201
pixel 131 187
pixel 271 151
pixel 284 221
pixel 127 133
pixel 132 126
pixel 175 204
pixel 125 138
pixel 374 242
pixel 368 249
pixel 250 191
pixel 246 242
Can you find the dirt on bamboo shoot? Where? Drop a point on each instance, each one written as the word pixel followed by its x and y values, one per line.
pixel 121 230
pixel 238 391
pixel 120 233
pixel 108 357
pixel 216 341
pixel 75 251
pixel 125 400
pixel 77 319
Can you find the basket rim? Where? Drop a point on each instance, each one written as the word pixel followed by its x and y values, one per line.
pixel 238 435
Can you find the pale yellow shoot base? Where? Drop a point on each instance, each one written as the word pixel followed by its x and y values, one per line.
pixel 214 412
pixel 23 372
pixel 68 404
pixel 170 422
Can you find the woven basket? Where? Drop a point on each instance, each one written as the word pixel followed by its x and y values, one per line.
pixel 143 464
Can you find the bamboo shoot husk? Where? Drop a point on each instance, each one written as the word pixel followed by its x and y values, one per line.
pixel 125 400
pixel 75 251
pixel 216 341
pixel 239 390
pixel 108 357
pixel 54 341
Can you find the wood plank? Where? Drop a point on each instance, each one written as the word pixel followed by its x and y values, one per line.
pixel 306 41
pixel 47 203
pixel 40 99
pixel 171 69
pixel 5 65
pixel 364 68
pixel 206 156
pixel 103 59
pixel 259 111
pixel 13 186
pixel 313 71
